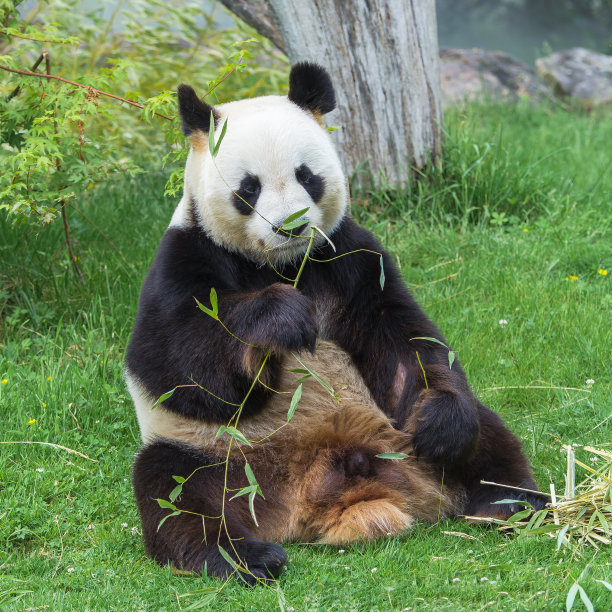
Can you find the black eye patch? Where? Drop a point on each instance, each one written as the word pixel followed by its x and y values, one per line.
pixel 312 183
pixel 247 194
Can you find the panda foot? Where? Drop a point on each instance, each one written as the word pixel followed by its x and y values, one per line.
pixel 258 562
pixel 445 427
pixel 490 509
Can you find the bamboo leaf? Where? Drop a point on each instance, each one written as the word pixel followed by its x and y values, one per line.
pixel 604 521
pixel 280 596
pixel 293 224
pixel 561 535
pixel 175 492
pixel 165 504
pixel 294 217
pixel 234 433
pixel 162 398
pixel 244 491
pixel 606 584
pixel 393 456
pixel 211 134
pixel 295 400
pixel 519 516
pixel 179 479
pixel 175 513
pixel 382 274
pixel 520 502
pixel 221 137
pixel 430 339
pixel 206 597
pixel 252 507
pixel 213 302
pixel 226 556
pixel 536 519
pixel 333 246
pixel 585 599
pixel 571 596
pixel 250 475
pixel 211 312
pixel 323 383
pixel 451 359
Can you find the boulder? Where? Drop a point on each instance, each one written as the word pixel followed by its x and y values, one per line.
pixel 467 74
pixel 578 73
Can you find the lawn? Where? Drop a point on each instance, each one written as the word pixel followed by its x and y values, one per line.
pixel 506 246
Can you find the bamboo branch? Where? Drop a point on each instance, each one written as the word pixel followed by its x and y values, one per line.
pixel 100 92
pixel 18 89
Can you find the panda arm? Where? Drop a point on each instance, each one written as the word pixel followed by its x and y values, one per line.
pixel 177 346
pixel 378 327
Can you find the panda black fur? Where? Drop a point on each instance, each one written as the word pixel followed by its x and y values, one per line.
pixel 319 473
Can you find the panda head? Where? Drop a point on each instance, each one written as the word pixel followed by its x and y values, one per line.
pixel 275 159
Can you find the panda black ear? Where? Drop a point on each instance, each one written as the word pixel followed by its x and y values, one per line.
pixel 310 87
pixel 195 114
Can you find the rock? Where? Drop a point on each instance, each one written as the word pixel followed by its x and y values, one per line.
pixel 469 74
pixel 578 73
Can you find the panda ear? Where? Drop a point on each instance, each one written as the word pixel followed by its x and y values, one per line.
pixel 310 87
pixel 195 114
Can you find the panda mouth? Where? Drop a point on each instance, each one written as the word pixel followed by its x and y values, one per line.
pixel 294 243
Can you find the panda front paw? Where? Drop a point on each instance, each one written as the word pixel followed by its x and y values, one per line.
pixel 285 320
pixel 444 426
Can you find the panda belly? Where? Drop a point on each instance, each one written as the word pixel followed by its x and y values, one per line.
pixel 319 472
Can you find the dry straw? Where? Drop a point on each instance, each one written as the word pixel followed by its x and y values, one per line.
pixel 582 515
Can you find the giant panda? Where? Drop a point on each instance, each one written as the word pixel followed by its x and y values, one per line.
pixel 320 473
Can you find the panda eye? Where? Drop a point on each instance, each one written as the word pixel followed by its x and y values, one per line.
pixel 246 196
pixel 251 186
pixel 303 174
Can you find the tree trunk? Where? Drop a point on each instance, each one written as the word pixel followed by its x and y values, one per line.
pixel 383 59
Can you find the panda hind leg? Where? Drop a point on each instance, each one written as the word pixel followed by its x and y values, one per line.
pixel 188 541
pixel 499 459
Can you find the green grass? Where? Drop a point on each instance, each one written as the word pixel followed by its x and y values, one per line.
pixel 66 522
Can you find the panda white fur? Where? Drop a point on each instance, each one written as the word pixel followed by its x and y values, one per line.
pixel 319 473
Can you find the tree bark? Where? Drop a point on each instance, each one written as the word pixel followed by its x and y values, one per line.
pixel 383 59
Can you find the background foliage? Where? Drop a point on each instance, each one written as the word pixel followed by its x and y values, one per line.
pixel 58 139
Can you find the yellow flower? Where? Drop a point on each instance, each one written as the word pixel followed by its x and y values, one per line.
pixel 31 421
pixel 572 278
pixel 44 405
pixel 602 272
pixel 525 229
pixel 48 378
pixel 4 381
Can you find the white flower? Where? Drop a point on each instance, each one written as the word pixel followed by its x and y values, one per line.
pixel 589 383
pixel 503 322
pixel 90 527
pixel 341 551
pixel 70 570
pixel 134 530
pixel 456 580
pixel 374 569
pixel 123 525
pixel 41 470
pixel 484 579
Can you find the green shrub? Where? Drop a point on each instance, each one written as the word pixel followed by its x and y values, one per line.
pixel 63 134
